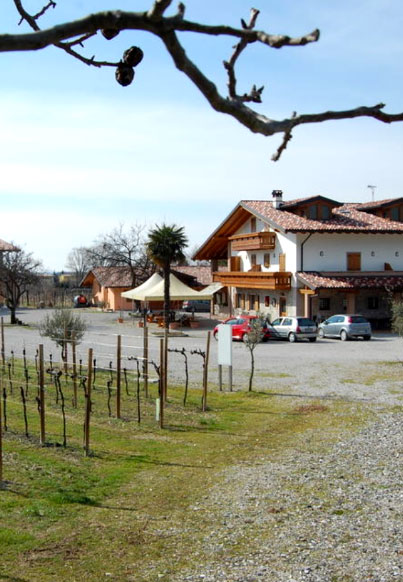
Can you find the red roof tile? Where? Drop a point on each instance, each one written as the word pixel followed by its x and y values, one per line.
pixel 346 218
pixel 110 277
pixel 5 246
pixel 386 282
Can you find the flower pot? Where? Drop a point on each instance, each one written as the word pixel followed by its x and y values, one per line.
pixel 194 324
pixel 141 323
pixel 174 325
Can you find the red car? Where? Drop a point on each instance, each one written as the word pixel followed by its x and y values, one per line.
pixel 241 327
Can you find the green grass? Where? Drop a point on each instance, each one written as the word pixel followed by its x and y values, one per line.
pixel 126 510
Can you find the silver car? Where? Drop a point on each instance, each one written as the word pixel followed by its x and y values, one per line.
pixel 293 329
pixel 345 327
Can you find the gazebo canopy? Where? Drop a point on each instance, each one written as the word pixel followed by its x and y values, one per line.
pixel 178 291
pixel 155 292
pixel 138 293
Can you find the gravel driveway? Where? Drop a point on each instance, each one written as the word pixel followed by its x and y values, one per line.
pixel 325 510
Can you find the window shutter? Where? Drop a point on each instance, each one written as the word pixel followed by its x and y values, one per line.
pixel 353 261
pixel 235 263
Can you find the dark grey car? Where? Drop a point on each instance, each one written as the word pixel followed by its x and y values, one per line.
pixel 345 327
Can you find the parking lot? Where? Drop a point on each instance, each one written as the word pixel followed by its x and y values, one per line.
pixel 317 367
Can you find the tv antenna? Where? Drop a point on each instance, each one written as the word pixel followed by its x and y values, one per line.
pixel 372 188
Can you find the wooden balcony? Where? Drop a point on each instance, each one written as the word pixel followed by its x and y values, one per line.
pixel 274 281
pixel 253 241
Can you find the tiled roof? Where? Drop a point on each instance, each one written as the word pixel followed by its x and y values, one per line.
pixel 346 218
pixel 378 203
pixel 5 246
pixel 201 275
pixel 387 282
pixel 112 276
pixel 300 201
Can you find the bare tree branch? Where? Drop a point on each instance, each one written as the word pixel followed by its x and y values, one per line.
pixel 255 94
pixel 158 9
pixel 68 35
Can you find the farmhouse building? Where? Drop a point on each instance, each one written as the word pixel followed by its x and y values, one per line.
pixel 311 256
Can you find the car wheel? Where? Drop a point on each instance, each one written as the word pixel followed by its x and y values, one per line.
pixel 343 335
pixel 367 338
pixel 321 333
pixel 292 338
pixel 245 337
pixel 312 339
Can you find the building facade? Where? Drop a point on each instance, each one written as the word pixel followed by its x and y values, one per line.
pixel 312 256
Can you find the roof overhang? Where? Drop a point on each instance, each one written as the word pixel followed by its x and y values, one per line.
pixel 380 280
pixel 215 247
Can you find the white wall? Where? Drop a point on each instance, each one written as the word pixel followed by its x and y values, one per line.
pixel 336 246
pixel 285 244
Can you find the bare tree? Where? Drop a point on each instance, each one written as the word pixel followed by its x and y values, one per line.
pixel 251 339
pixel 79 262
pixel 123 248
pixel 71 36
pixel 18 271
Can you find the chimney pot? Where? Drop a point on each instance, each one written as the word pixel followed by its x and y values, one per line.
pixel 277 198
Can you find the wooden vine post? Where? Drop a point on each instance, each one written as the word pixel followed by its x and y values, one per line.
pixel 145 360
pixel 118 375
pixel 88 406
pixel 74 357
pixel 161 383
pixel 165 374
pixel 205 372
pixel 42 435
pixel 3 354
pixel 1 433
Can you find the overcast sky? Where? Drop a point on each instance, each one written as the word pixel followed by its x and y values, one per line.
pixel 80 154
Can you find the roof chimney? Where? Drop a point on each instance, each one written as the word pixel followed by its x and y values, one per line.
pixel 277 198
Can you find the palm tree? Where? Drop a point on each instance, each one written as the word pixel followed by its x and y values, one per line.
pixel 164 246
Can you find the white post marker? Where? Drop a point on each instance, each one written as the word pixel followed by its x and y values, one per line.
pixel 157 409
pixel 224 356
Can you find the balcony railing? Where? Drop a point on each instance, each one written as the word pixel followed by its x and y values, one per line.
pixel 253 241
pixel 273 281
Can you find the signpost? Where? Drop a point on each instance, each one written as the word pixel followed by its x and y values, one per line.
pixel 224 352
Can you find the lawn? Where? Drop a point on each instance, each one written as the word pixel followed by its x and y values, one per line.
pixel 125 512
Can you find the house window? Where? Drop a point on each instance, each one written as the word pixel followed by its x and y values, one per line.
pixel 313 212
pixel 353 261
pixel 394 213
pixel 256 303
pixel 253 259
pixel 267 301
pixel 373 302
pixel 266 260
pixel 324 303
pixel 325 212
pixel 251 302
pixel 253 224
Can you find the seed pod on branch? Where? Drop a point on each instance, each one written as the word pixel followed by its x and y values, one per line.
pixel 133 56
pixel 124 74
pixel 110 33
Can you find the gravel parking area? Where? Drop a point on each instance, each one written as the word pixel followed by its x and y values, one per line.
pixel 328 509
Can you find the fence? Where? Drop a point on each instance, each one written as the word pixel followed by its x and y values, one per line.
pixel 120 377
